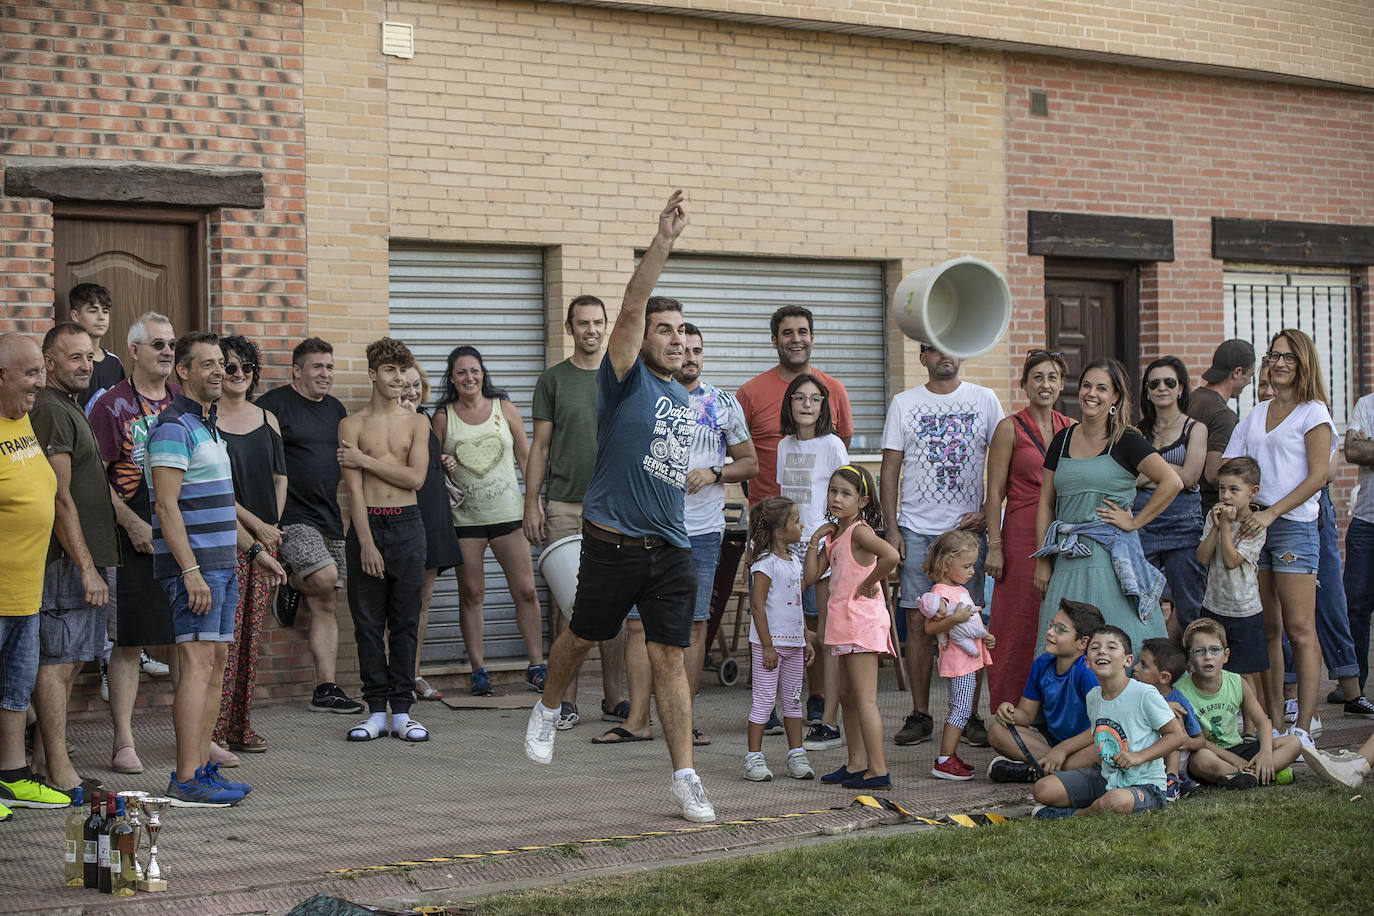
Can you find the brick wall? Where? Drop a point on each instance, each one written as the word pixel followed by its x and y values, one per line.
pixel 1320 39
pixel 210 84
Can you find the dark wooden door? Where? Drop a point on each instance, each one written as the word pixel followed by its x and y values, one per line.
pixel 1090 313
pixel 149 261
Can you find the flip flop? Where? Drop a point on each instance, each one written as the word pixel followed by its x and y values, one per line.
pixel 425 692
pixel 365 730
pixel 622 736
pixel 699 740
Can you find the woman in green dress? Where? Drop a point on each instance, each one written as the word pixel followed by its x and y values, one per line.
pixel 1090 475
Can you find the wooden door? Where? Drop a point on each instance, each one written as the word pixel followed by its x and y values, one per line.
pixel 1090 314
pixel 148 260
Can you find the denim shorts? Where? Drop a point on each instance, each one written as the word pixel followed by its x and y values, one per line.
pixel 1291 547
pixel 915 583
pixel 216 624
pixel 706 557
pixel 1087 784
pixel 18 661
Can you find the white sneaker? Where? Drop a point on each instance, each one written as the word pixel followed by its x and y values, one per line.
pixel 1304 737
pixel 539 733
pixel 798 767
pixel 1343 770
pixel 1314 728
pixel 1290 710
pixel 755 770
pixel 151 666
pixel 690 794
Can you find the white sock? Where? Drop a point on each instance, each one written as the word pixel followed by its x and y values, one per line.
pixel 747 757
pixel 378 720
pixel 683 774
pixel 795 751
pixel 941 759
pixel 545 711
pixel 399 720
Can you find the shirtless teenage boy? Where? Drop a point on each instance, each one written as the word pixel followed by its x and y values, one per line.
pixel 383 454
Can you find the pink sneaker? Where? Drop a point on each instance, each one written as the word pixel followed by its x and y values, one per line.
pixel 953 768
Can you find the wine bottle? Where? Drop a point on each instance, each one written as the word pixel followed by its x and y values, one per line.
pixel 103 845
pixel 76 821
pixel 90 872
pixel 121 853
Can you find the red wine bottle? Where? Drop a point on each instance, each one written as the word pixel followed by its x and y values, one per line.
pixel 90 872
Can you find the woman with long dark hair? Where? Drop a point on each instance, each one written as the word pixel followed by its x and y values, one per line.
pixel 1090 550
pixel 482 431
pixel 253 440
pixel 1170 541
pixel 1292 437
pixel 1016 459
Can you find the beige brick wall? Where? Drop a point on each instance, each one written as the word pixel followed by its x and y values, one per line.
pixel 563 127
pixel 1316 39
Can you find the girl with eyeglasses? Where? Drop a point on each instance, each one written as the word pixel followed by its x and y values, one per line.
pixel 1015 462
pixel 252 437
pixel 1292 437
pixel 1170 541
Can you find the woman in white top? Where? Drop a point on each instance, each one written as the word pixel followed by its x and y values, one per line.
pixel 1292 438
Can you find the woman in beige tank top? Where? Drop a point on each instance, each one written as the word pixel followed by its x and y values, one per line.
pixel 482 431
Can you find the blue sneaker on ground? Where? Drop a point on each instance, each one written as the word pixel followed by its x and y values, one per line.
pixel 534 677
pixel 211 773
pixel 1047 812
pixel 481 683
pixel 774 724
pixel 199 792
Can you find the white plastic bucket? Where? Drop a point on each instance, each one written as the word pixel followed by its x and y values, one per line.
pixel 962 308
pixel 558 565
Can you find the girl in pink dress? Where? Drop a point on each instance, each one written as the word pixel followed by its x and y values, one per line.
pixel 857 626
pixel 964 641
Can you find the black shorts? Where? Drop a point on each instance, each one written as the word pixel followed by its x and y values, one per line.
pixel 612 578
pixel 486 532
pixel 1246 640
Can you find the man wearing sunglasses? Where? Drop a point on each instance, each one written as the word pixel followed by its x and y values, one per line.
pixel 143 616
pixel 1232 369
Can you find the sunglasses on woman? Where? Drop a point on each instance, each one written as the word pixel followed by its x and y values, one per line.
pixel 236 368
pixel 1154 383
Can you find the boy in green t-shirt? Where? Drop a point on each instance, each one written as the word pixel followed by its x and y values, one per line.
pixel 1218 696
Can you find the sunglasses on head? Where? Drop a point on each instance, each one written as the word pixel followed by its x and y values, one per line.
pixel 1039 353
pixel 1153 384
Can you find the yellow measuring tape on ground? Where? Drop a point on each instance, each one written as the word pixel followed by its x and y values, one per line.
pixel 945 820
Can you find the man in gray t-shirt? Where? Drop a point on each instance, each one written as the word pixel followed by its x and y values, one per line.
pixel 1232 369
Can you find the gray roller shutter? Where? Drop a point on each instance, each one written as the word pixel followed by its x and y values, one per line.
pixel 731 300
pixel 492 299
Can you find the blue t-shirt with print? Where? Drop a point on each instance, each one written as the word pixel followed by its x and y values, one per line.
pixel 1062 697
pixel 644 432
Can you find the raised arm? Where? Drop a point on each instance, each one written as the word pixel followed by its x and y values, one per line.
pixel 628 334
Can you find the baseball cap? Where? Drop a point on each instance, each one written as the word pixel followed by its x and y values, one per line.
pixel 1232 354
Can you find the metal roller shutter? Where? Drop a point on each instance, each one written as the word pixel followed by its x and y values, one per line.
pixel 731 300
pixel 493 300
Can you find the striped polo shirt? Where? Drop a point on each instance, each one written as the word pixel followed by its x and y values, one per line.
pixel 185 439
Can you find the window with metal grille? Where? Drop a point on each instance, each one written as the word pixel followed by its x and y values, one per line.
pixel 1324 306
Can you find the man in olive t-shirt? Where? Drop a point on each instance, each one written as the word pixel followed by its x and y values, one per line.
pixel 563 455
pixel 1233 367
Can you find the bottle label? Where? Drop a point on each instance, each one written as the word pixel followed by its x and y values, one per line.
pixel 116 861
pixel 71 852
pixel 90 853
pixel 102 851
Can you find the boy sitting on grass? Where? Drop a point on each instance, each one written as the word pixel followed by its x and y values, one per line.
pixel 1132 730
pixel 1058 685
pixel 1217 697
pixel 1160 665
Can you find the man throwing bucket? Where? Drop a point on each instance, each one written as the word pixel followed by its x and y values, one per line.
pixel 635 551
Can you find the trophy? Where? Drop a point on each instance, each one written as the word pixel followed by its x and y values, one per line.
pixel 132 799
pixel 153 806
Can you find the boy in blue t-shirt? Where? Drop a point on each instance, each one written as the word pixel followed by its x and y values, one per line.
pixel 1131 730
pixel 1160 665
pixel 1058 687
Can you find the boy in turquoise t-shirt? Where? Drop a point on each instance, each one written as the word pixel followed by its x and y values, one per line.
pixel 1217 697
pixel 1132 728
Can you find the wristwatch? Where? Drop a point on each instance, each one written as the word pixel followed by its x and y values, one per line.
pixel 253 552
pixel 718 471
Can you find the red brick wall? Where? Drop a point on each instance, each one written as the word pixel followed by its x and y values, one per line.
pixel 197 83
pixel 1134 142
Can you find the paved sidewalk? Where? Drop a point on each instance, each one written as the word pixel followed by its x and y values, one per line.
pixel 469 799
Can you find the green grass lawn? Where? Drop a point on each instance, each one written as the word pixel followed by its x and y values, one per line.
pixel 1293 849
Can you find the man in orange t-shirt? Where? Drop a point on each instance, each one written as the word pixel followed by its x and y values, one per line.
pixel 761 396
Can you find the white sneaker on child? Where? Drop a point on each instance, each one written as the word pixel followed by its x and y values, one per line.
pixel 755 769
pixel 798 767
pixel 692 796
